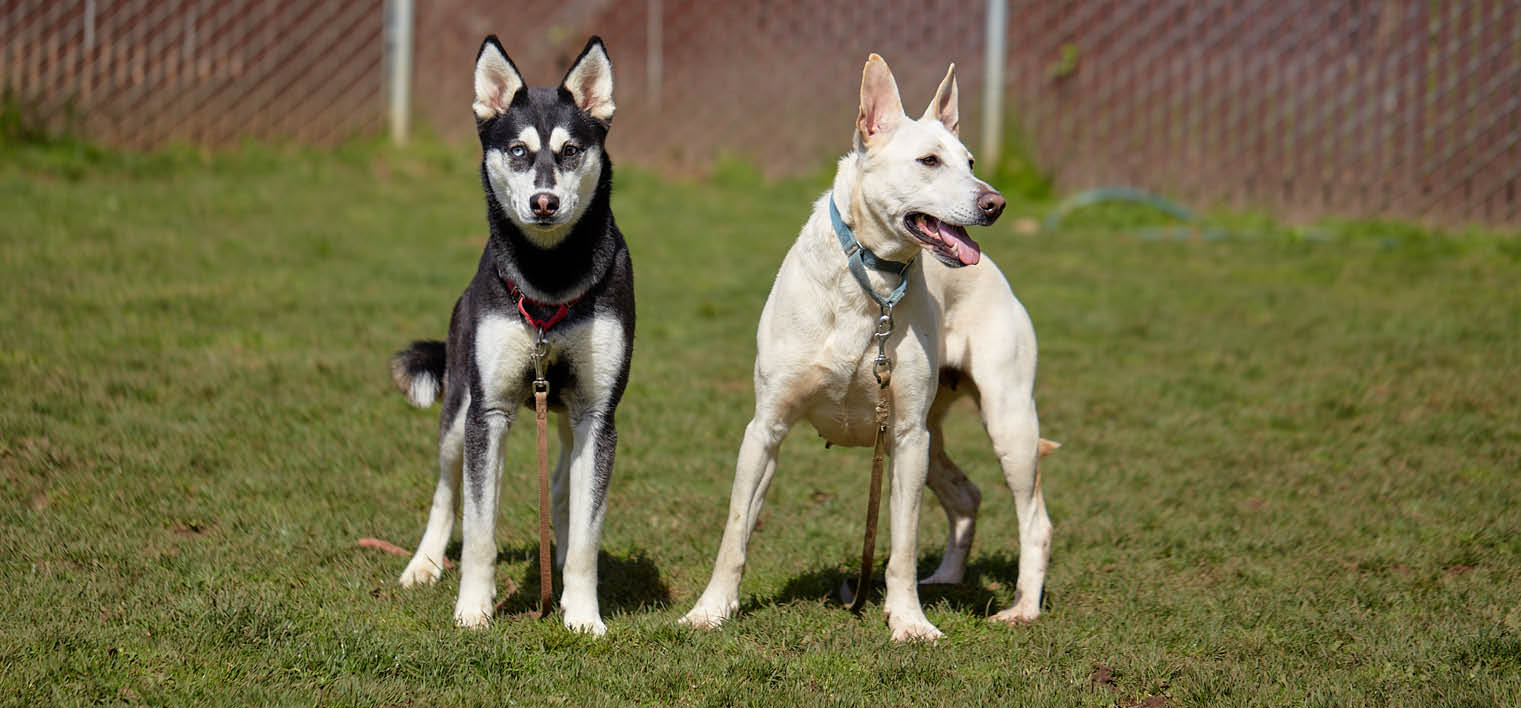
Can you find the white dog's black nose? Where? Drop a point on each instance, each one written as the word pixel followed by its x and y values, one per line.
pixel 991 204
pixel 546 204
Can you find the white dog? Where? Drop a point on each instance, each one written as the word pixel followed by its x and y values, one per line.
pixel 907 187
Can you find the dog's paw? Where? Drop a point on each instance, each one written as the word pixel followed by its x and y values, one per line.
pixel 908 624
pixel 921 631
pixel 1016 615
pixel 472 618
pixel 710 615
pixel 589 624
pixel 420 571
pixel 473 610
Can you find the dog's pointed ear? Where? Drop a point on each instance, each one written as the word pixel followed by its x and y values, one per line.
pixel 497 80
pixel 881 108
pixel 590 81
pixel 943 106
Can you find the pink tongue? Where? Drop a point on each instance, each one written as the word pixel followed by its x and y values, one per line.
pixel 967 250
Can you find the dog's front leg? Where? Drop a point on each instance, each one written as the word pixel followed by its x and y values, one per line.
pixel 752 476
pixel 595 440
pixel 910 462
pixel 483 466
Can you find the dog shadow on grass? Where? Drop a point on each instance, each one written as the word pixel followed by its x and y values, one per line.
pixel 630 582
pixel 987 588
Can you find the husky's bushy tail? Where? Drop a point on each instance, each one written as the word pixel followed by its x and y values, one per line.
pixel 418 371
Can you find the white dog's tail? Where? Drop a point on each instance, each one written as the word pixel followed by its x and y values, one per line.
pixel 418 371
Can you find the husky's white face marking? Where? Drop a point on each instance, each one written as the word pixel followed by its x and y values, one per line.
pixel 517 178
pixel 915 175
pixel 557 138
pixel 529 137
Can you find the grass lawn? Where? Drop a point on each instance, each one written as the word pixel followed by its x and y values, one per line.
pixel 1289 473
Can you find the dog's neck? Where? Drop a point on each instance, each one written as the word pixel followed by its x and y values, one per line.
pixel 828 265
pixel 873 230
pixel 571 267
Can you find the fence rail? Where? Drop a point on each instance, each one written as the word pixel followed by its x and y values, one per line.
pixel 1356 107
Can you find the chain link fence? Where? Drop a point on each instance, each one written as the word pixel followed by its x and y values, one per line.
pixel 145 73
pixel 1355 107
pixel 1306 107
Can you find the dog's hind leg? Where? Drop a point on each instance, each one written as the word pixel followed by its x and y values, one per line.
pixel 958 496
pixel 561 492
pixel 752 476
pixel 427 563
pixel 1015 431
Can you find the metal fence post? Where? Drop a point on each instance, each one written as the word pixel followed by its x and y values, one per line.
pixel 654 59
pixel 992 82
pixel 398 30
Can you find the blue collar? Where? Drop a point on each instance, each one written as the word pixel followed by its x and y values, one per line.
pixel 862 258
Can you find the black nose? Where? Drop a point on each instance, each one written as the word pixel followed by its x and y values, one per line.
pixel 991 204
pixel 545 204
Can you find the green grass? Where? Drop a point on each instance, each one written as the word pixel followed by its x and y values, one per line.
pixel 1290 472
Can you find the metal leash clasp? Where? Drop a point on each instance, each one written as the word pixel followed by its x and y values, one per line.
pixel 540 358
pixel 882 367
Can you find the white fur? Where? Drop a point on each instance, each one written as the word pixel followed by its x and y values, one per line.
pixel 557 138
pixel 529 136
pixel 814 356
pixel 503 347
pixel 423 389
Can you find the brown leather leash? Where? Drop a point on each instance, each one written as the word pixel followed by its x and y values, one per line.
pixel 882 369
pixel 541 419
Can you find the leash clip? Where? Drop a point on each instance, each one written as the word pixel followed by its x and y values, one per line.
pixel 882 367
pixel 540 358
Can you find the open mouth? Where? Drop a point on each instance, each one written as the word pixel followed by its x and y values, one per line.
pixel 950 243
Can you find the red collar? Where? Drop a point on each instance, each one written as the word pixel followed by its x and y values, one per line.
pixel 543 325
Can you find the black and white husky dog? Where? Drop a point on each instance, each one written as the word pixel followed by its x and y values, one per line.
pixel 555 263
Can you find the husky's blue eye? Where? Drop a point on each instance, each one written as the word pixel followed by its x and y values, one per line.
pixel 569 151
pixel 517 151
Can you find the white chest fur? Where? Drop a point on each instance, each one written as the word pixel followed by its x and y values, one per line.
pixel 504 345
